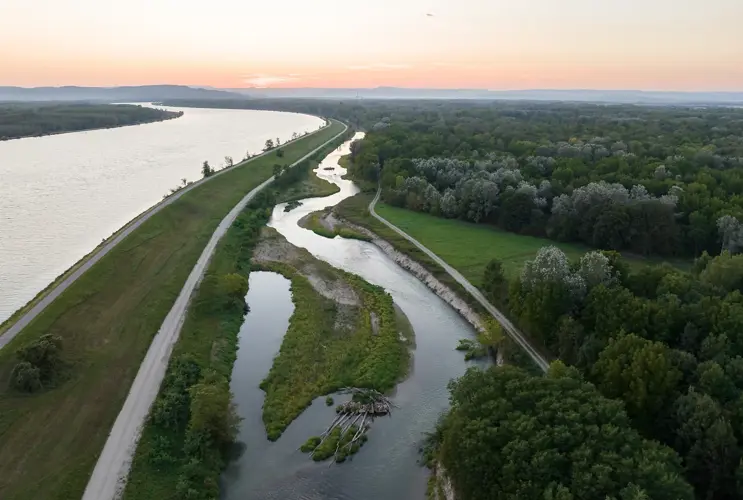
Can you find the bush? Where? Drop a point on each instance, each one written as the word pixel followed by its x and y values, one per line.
pixel 26 377
pixel 329 401
pixel 310 444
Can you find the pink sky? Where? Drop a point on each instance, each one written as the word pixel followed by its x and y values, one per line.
pixel 496 44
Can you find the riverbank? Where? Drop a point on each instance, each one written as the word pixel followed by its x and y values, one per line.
pixel 26 119
pixel 353 213
pixel 344 333
pixel 107 319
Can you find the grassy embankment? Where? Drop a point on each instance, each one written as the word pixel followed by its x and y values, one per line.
pixel 349 340
pixel 107 319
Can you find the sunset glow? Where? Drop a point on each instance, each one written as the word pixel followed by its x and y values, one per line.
pixel 496 44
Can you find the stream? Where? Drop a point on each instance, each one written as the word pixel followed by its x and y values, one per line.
pixel 387 466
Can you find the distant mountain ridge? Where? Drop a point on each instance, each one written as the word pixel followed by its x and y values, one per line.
pixel 580 95
pixel 144 93
pixel 148 93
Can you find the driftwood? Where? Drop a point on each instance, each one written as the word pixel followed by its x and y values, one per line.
pixel 364 406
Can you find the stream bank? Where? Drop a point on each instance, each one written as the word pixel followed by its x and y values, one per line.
pixel 388 465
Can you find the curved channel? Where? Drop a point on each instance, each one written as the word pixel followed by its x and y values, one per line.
pixel 387 467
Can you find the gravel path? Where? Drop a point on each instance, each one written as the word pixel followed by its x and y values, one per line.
pixel 509 327
pixel 109 476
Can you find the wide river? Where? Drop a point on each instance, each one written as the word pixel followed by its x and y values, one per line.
pixel 61 195
pixel 387 466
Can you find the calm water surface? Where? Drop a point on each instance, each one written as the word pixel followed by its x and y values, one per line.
pixel 61 195
pixel 386 467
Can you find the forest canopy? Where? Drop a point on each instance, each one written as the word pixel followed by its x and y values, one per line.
pixel 35 119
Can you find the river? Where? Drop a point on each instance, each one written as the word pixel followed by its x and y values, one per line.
pixel 61 195
pixel 387 466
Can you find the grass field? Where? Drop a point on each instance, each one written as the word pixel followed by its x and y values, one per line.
pixel 107 319
pixel 469 247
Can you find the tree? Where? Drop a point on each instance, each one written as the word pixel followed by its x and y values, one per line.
pixel 280 153
pixel 277 169
pixel 212 412
pixel 510 435
pixel 228 161
pixel 269 145
pixel 642 374
pixel 494 282
pixel 206 170
pixel 707 443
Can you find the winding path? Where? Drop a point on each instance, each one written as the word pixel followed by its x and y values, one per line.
pixel 109 476
pixel 109 245
pixel 510 329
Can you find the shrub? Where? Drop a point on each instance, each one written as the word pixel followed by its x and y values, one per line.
pixel 26 377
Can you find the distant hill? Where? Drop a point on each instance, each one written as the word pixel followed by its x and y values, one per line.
pixel 577 95
pixel 145 93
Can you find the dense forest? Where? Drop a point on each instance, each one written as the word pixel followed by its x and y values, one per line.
pixel 666 342
pixel 34 119
pixel 650 180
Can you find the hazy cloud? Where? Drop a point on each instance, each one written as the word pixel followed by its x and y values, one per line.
pixel 263 80
pixel 377 66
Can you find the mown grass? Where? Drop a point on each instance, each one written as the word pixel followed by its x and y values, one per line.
pixel 469 247
pixel 319 356
pixel 107 319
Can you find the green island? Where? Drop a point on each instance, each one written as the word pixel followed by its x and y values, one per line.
pixel 27 119
pixel 344 333
pixel 105 322
pixel 324 224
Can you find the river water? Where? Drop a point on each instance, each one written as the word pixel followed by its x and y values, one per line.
pixel 60 195
pixel 387 466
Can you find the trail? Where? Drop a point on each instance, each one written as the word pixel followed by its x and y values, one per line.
pixel 109 476
pixel 509 327
pixel 97 255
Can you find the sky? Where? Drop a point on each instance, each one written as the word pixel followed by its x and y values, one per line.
pixel 490 44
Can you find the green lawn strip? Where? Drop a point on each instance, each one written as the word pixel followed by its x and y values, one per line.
pixel 469 247
pixel 107 318
pixel 318 357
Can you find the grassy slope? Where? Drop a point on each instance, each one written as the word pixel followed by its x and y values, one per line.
pixel 107 319
pixel 469 247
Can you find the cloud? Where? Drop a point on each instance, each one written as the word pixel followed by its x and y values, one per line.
pixel 263 80
pixel 377 66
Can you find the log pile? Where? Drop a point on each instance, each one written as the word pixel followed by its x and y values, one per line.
pixel 351 423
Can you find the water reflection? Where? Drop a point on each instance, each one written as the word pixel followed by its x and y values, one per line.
pixel 387 467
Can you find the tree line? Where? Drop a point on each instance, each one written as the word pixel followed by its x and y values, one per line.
pixel 34 119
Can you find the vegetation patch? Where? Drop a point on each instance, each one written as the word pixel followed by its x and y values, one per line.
pixel 330 342
pixel 192 422
pixel 324 224
pixel 540 434
pixel 27 119
pixel 106 320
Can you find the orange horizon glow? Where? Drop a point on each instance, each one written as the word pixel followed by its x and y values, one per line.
pixel 487 44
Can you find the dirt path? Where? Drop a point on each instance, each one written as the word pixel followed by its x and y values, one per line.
pixel 109 476
pixel 55 292
pixel 509 327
